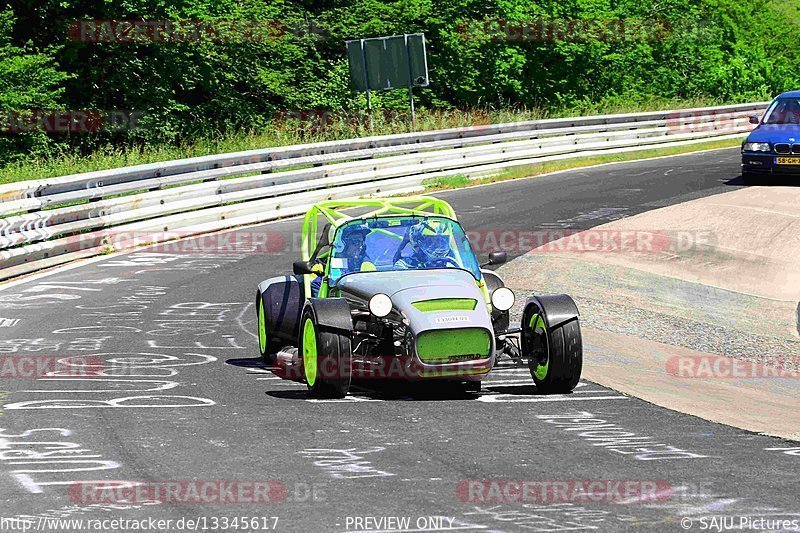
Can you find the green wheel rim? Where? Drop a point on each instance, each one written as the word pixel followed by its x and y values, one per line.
pixel 310 352
pixel 262 328
pixel 538 326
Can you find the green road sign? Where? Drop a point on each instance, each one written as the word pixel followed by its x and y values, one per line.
pixel 384 63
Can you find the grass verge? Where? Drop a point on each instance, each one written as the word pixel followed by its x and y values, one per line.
pixel 293 131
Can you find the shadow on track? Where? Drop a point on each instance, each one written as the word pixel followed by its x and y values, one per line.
pixel 391 391
pixel 249 362
pixel 516 390
pixel 765 181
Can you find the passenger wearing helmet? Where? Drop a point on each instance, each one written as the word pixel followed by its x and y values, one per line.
pixel 430 247
pixel 352 247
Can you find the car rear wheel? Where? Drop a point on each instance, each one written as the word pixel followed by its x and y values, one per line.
pixel 326 358
pixel 266 342
pixel 555 353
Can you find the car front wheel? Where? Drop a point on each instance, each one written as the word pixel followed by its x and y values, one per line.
pixel 326 357
pixel 555 353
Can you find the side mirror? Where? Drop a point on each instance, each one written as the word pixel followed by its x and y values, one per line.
pixel 754 119
pixel 302 267
pixel 497 258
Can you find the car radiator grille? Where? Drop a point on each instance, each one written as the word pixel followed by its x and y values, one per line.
pixel 783 148
pixel 446 304
pixel 453 345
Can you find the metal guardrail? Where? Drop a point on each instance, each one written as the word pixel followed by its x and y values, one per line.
pixel 88 188
pixel 101 178
pixel 232 189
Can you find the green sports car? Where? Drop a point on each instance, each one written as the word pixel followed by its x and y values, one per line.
pixel 390 288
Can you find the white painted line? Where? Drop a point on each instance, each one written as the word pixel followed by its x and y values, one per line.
pixel 26 278
pixel 501 398
pixel 241 324
pixel 348 399
pixel 515 383
pixel 514 379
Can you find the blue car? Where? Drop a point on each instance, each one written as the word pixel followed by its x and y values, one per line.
pixel 773 148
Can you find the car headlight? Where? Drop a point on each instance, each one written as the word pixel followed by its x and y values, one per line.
pixel 756 147
pixel 503 299
pixel 380 305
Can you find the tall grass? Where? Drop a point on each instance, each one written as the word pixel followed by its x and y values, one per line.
pixel 308 129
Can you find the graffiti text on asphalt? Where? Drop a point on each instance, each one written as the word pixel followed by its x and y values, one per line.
pixel 612 437
pixel 347 464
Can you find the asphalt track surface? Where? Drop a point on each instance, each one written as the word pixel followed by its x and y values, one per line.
pixel 180 395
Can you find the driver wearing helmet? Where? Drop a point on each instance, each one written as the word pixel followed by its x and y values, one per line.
pixel 430 247
pixel 351 253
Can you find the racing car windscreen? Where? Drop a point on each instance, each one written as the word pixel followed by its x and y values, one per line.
pixel 398 243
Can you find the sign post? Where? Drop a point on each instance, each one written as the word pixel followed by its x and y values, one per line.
pixel 385 63
pixel 410 85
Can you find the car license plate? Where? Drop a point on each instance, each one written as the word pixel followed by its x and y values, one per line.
pixel 787 160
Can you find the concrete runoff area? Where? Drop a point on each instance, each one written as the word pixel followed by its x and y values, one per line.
pixel 764 405
pixel 698 302
pixel 746 241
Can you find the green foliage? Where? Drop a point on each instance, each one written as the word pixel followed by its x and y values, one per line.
pixel 484 55
pixel 28 80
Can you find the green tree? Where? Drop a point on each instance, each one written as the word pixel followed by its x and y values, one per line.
pixel 28 81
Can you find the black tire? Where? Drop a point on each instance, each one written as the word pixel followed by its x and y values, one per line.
pixel 331 374
pixel 748 178
pixel 556 354
pixel 268 346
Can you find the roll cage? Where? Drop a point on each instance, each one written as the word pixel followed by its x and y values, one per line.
pixel 325 218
